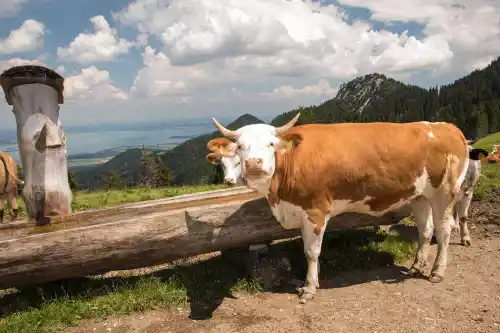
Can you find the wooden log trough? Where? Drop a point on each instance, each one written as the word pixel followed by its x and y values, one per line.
pixel 146 234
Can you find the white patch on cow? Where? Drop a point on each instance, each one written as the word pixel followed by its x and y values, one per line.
pixel 431 135
pixel 232 169
pixel 422 183
pixel 463 173
pixel 290 216
pixel 362 206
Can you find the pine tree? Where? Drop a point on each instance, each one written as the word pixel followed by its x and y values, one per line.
pixel 73 184
pixel 113 181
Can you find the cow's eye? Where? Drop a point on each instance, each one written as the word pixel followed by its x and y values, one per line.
pixel 271 144
pixel 237 163
pixel 239 147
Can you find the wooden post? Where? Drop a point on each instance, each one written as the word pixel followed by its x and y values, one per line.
pixel 146 234
pixel 35 93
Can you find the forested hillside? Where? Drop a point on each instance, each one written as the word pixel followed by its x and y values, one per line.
pixel 472 103
pixel 185 161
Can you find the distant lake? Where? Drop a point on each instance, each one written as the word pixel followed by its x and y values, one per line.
pixel 87 140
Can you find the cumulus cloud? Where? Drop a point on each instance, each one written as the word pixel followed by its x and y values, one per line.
pixel 27 38
pixel 10 7
pixel 13 62
pixel 322 88
pixel 279 38
pixel 92 84
pixel 470 28
pixel 103 45
pixel 159 77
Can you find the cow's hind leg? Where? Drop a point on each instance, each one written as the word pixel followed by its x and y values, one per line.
pixel 423 218
pixel 462 208
pixel 312 249
pixel 442 209
pixel 12 203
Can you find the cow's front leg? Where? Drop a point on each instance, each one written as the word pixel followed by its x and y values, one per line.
pixel 313 230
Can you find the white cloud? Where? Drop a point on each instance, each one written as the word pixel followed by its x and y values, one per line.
pixel 27 38
pixel 159 77
pixel 103 45
pixel 471 28
pixel 89 84
pixel 92 84
pixel 6 64
pixel 278 38
pixel 10 7
pixel 322 88
pixel 13 62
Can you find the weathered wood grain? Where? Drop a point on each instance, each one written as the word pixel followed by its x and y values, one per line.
pixel 35 93
pixel 148 234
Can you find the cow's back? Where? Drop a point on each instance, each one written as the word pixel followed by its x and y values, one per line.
pixel 377 160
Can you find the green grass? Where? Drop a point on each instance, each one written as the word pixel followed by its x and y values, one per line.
pixel 487 142
pixel 490 173
pixel 100 199
pixel 489 179
pixel 201 287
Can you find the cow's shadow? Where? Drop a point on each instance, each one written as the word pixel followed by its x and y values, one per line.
pixel 205 284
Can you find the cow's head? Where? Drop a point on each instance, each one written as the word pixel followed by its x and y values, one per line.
pixel 255 145
pixel 230 164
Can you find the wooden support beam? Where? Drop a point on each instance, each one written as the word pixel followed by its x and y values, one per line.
pixel 147 234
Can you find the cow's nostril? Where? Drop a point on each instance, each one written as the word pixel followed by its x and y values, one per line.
pixel 247 163
pixel 259 161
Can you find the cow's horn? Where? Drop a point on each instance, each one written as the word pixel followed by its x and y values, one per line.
pixel 287 126
pixel 227 133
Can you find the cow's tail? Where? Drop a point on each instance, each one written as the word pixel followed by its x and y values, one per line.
pixel 453 179
pixel 475 152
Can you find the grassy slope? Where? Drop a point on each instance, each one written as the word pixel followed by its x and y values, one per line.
pixel 487 142
pixel 490 174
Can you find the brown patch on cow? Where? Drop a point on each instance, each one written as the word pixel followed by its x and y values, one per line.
pixel 352 161
pixel 448 143
pixel 213 158
pixel 221 146
pixel 8 184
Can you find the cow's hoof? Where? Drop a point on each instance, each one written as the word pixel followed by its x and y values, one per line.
pixel 436 278
pixel 305 295
pixel 466 242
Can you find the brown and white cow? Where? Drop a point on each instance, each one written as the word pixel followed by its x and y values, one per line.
pixel 312 172
pixel 8 185
pixel 230 164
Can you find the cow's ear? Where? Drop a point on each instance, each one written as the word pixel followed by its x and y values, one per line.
pixel 222 146
pixel 213 158
pixel 288 142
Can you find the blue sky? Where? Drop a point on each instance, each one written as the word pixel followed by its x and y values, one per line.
pixel 224 58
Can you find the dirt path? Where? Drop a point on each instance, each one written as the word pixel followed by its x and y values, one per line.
pixel 468 300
